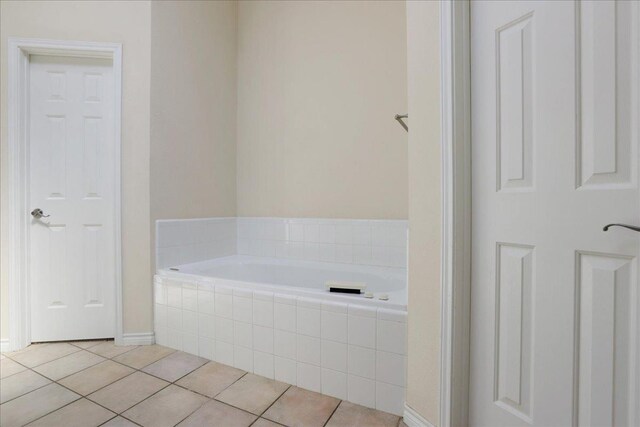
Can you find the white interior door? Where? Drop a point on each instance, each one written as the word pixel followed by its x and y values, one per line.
pixel 72 272
pixel 555 128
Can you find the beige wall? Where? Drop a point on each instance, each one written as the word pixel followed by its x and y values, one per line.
pixel 423 30
pixel 318 86
pixel 126 22
pixel 193 109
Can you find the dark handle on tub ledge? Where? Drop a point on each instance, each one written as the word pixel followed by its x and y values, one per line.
pixel 630 227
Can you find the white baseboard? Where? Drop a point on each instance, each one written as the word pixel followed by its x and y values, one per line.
pixel 139 338
pixel 4 345
pixel 412 419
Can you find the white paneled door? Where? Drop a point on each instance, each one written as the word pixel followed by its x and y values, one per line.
pixel 555 127
pixel 72 167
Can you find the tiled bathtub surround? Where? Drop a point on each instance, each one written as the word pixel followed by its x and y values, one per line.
pixel 190 240
pixel 368 242
pixel 348 351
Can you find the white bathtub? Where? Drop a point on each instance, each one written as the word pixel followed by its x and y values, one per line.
pixel 274 317
pixel 301 278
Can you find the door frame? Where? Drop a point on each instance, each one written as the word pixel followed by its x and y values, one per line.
pixel 19 50
pixel 455 109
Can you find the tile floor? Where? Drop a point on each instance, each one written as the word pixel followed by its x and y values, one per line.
pixel 95 383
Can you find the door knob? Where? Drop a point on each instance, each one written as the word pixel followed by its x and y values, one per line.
pixel 630 227
pixel 37 213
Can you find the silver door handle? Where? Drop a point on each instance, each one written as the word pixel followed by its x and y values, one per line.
pixel 37 213
pixel 630 227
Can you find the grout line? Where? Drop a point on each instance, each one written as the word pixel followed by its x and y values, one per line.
pixel 273 403
pixel 333 412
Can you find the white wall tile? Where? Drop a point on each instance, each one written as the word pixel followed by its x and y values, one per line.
pixel 361 234
pixel 224 329
pixel 263 364
pixel 224 305
pixel 362 331
pixel 161 336
pixel 191 240
pixel 308 321
pixel 334 326
pixel 206 348
pixel 242 309
pixel 206 326
pixel 334 355
pixel 174 296
pixel 174 339
pixel 243 334
pixel 296 232
pixel 308 349
pixel 263 339
pixel 160 293
pixel 343 233
pixel 311 233
pixel 190 322
pixel 334 383
pixel 206 302
pixel 309 377
pixel 243 358
pixel 190 344
pixel 391 368
pixel 285 370
pixel 224 353
pixel 362 361
pixel 361 391
pixel 263 312
pixel 390 398
pixel 174 318
pixel 391 336
pixel 285 344
pixel 189 298
pixel 284 317
pixel 160 316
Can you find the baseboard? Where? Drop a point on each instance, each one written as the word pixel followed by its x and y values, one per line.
pixel 412 419
pixel 4 345
pixel 140 338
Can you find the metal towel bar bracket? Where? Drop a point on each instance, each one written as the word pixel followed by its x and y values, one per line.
pixel 399 118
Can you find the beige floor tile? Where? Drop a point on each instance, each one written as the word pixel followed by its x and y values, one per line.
pixel 143 355
pixel 349 414
pixel 109 350
pixel 31 406
pixel 68 365
pixel 119 422
pixel 87 344
pixel 127 392
pixel 19 384
pixel 215 413
pixel 402 424
pixel 81 413
pixel 211 378
pixel 252 393
pixel 9 367
pixel 263 422
pixel 165 408
pixel 298 407
pixel 96 377
pixel 38 354
pixel 175 366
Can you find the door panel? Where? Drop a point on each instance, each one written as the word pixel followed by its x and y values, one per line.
pixel 554 323
pixel 72 176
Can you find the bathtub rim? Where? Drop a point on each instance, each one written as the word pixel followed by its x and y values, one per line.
pixel 213 282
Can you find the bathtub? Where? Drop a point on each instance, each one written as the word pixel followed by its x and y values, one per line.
pixel 274 317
